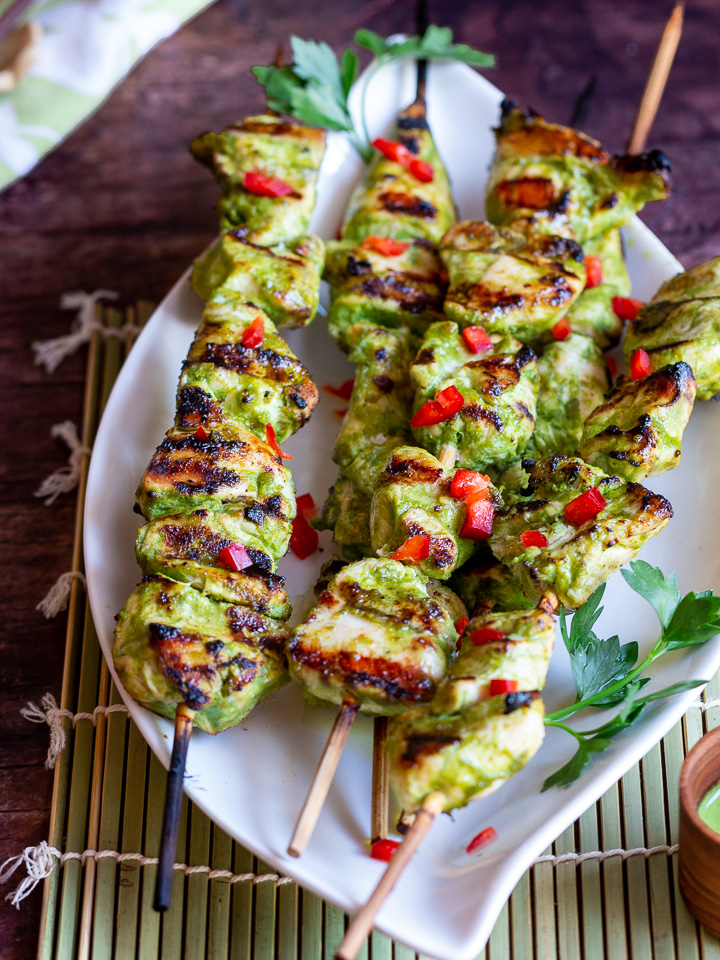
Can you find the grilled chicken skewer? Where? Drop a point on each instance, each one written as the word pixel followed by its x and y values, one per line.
pixel 202 637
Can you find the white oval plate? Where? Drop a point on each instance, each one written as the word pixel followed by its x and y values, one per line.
pixel 252 780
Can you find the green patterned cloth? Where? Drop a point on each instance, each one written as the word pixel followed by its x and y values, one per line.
pixel 86 48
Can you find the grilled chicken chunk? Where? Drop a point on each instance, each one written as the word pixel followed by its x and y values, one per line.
pixel 484 585
pixel 578 556
pixel 592 313
pixel 573 381
pixel 682 322
pixel 253 386
pixel 270 146
pixel 543 170
pixel 173 645
pixel 390 290
pixel 186 548
pixel 347 513
pixel 637 432
pixel 231 467
pixel 413 499
pixel 499 389
pixel 391 202
pixel 380 633
pixel 283 280
pixel 509 282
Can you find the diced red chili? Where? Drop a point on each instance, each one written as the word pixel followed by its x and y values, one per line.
pixel 468 483
pixel 486 836
pixel 385 246
pixel 264 186
pixel 306 506
pixel 585 507
pixel 533 538
pixel 612 366
pixel 478 519
pixel 393 150
pixel 234 557
pixel 383 849
pixel 503 686
pixel 421 170
pixel 272 440
pixel 414 549
pixel 461 624
pixel 451 400
pixel 447 403
pixel 639 365
pixel 484 635
pixel 562 329
pixel 253 335
pixel 201 434
pixel 343 392
pixel 594 272
pixel 476 339
pixel 625 308
pixel 303 539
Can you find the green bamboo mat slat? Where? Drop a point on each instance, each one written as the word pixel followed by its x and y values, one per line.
pixel 617 910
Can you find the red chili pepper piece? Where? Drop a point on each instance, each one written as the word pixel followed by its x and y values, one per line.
pixel 447 403
pixel 639 365
pixel 393 151
pixel 594 272
pixel 383 849
pixel 562 329
pixel 612 366
pixel 476 339
pixel 486 836
pixel 272 440
pixel 414 549
pixel 625 308
pixel 533 538
pixel 254 334
pixel 503 686
pixel 201 434
pixel 469 483
pixel 478 519
pixel 306 506
pixel 421 170
pixel 484 635
pixel 461 624
pixel 263 186
pixel 303 539
pixel 585 507
pixel 385 246
pixel 234 557
pixel 451 400
pixel 343 392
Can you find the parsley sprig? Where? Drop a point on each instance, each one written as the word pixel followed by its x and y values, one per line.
pixel 316 86
pixel 607 673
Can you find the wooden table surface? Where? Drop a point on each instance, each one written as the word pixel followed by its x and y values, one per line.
pixel 121 205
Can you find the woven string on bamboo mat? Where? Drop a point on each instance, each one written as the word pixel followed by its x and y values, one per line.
pixel 607 888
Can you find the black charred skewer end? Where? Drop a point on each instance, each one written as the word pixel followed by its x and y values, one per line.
pixel 582 104
pixel 173 803
pixel 421 25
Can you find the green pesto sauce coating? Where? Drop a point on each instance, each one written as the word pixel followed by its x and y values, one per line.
pixel 173 645
pixel 573 381
pixel 390 202
pixel 508 281
pixel 186 548
pixel 682 323
pixel 485 585
pixel 542 169
pixel 578 557
pixel 379 632
pixel 266 145
pixel 405 290
pixel 347 513
pixel 250 386
pixel 638 431
pixel 283 280
pixel 499 388
pixel 592 313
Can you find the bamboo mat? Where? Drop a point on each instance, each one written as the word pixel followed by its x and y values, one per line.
pixel 108 795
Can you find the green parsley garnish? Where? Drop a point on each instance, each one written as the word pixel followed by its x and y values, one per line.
pixel 315 87
pixel 607 673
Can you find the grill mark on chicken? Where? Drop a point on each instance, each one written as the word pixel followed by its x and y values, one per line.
pixel 395 202
pixel 478 413
pixel 196 407
pixel 515 701
pixel 170 644
pixel 256 361
pixel 201 469
pixel 412 470
pixel 424 745
pixel 257 510
pixel 401 288
pixel 198 543
pixel 537 193
pixel 280 129
pixel 250 626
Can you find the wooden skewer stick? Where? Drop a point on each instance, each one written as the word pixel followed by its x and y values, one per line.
pixel 380 782
pixel 447 456
pixel 655 85
pixel 323 777
pixel 173 800
pixel 363 922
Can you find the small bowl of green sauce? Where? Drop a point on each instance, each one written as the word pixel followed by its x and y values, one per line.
pixel 699 854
